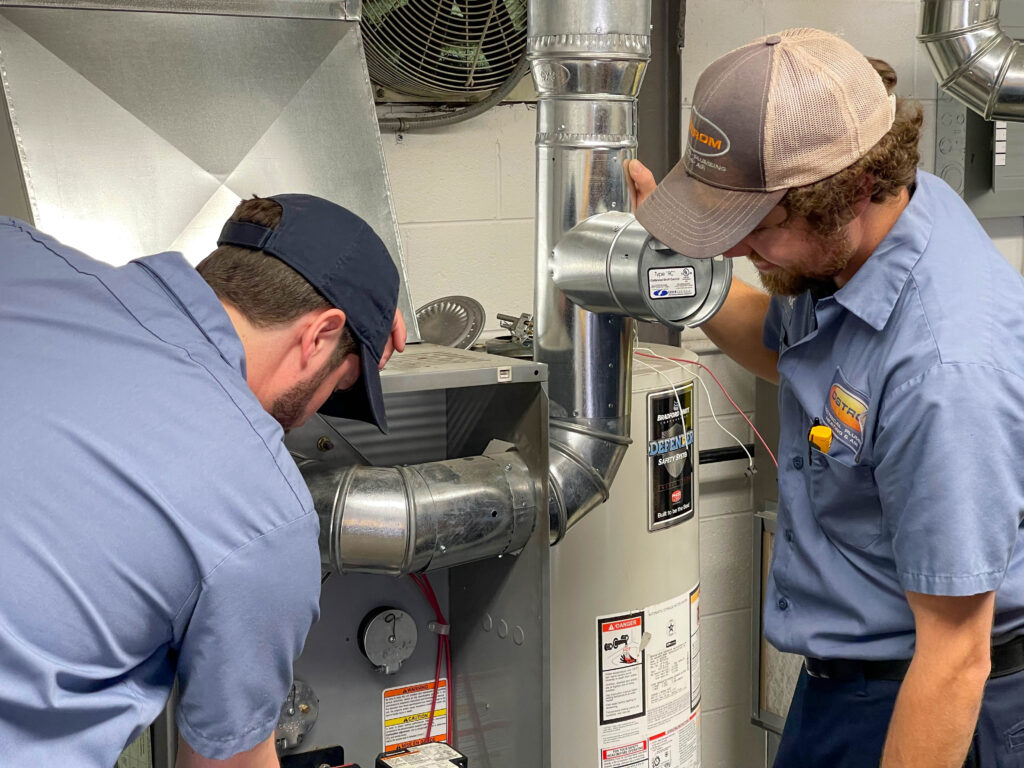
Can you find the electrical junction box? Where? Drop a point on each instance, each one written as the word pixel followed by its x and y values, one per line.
pixel 983 160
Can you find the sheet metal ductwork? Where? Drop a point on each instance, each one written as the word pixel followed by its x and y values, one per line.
pixel 973 58
pixel 588 61
pixel 400 520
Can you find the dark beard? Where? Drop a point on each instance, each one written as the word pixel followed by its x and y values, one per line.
pixel 288 408
pixel 836 253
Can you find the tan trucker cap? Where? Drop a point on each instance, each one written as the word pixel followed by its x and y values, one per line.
pixel 785 110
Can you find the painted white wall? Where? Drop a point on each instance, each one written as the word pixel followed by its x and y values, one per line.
pixel 464 197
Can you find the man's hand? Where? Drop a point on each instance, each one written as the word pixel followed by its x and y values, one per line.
pixel 263 755
pixel 938 703
pixel 641 182
pixel 397 339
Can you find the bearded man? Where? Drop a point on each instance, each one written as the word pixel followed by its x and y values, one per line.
pixel 895 331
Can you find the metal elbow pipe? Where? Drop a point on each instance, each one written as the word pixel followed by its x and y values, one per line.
pixel 400 520
pixel 974 60
pixel 588 60
pixel 582 466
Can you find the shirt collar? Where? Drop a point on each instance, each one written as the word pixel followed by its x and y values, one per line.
pixel 198 301
pixel 872 292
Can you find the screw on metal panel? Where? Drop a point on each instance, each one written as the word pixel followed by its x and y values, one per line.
pixel 324 444
pixel 399 138
pixel 508 467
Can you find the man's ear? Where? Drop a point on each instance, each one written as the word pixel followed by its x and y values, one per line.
pixel 319 336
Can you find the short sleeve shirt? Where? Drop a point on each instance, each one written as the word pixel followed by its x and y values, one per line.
pixel 917 367
pixel 153 522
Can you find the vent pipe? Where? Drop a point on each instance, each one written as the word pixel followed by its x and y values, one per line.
pixel 974 60
pixel 588 60
pixel 400 520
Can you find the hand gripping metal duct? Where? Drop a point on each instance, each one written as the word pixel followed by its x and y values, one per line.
pixel 973 58
pixel 400 520
pixel 588 60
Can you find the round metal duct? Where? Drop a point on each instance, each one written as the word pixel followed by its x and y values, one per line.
pixel 443 48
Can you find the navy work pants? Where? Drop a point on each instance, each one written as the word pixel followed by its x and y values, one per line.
pixel 842 724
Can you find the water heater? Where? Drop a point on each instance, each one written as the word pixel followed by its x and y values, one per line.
pixel 625 587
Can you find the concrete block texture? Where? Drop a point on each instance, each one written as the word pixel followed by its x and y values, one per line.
pixel 490 261
pixel 725 544
pixel 477 170
pixel 729 740
pixel 725 659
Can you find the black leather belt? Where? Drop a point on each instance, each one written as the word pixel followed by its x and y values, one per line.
pixel 1007 658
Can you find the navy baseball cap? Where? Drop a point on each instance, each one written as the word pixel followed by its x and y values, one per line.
pixel 344 259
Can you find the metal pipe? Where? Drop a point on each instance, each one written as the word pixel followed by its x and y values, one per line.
pixel 400 520
pixel 973 59
pixel 588 60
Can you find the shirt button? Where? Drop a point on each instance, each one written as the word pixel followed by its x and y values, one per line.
pixel 798 462
pixel 783 603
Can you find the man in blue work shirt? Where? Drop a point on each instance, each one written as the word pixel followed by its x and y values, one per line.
pixel 896 334
pixel 153 521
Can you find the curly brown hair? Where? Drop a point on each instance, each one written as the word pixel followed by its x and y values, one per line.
pixel 888 166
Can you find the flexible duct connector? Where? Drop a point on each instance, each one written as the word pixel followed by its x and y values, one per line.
pixel 588 59
pixel 401 520
pixel 974 60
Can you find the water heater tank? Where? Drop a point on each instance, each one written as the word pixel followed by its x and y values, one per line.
pixel 625 586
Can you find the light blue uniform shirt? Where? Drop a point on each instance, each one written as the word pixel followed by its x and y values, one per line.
pixel 152 520
pixel 916 364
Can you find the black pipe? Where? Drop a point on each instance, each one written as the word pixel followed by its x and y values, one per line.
pixel 716 455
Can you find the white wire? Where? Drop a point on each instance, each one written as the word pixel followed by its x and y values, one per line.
pixel 683 367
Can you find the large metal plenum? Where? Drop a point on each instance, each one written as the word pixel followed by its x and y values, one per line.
pixel 131 131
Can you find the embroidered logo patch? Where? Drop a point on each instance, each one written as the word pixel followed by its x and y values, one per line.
pixel 845 412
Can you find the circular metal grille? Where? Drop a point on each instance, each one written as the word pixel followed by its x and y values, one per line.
pixel 439 48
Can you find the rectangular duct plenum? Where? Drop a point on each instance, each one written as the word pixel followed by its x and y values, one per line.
pixel 128 132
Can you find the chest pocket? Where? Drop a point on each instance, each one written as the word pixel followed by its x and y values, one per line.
pixel 844 500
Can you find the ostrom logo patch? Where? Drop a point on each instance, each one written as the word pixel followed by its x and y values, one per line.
pixel 706 138
pixel 846 412
pixel 847 407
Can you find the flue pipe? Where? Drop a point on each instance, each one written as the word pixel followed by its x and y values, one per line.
pixel 588 59
pixel 974 60
pixel 401 520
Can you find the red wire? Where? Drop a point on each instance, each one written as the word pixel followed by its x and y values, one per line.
pixel 724 392
pixel 444 650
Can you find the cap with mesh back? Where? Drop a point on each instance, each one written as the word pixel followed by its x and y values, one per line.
pixel 783 111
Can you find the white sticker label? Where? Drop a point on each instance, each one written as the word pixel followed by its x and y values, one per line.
pixel 649 686
pixel 672 282
pixel 426 756
pixel 406 714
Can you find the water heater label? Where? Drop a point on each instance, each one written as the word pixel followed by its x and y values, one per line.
pixel 649 686
pixel 672 283
pixel 670 447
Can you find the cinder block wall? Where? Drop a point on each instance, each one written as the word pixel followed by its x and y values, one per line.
pixel 464 196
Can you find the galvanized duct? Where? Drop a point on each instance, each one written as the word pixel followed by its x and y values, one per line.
pixel 400 520
pixel 973 58
pixel 588 60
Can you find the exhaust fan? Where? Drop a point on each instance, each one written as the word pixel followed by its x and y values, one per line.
pixel 444 50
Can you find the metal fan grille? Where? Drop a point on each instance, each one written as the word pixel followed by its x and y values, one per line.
pixel 443 47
